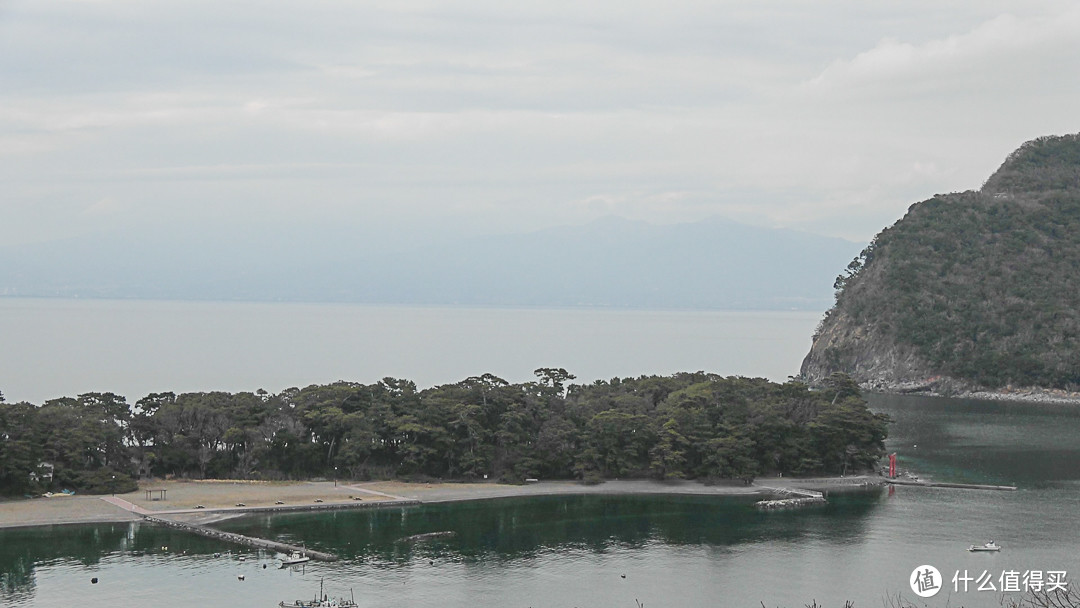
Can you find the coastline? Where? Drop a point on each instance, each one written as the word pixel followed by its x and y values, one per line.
pixel 221 500
pixel 1017 395
pixel 1026 396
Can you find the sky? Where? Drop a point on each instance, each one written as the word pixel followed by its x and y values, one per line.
pixel 405 117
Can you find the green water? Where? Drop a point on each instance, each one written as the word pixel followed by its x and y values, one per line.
pixel 616 550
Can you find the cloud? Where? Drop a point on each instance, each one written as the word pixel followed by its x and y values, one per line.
pixel 104 207
pixel 1005 43
pixel 674 206
pixel 836 114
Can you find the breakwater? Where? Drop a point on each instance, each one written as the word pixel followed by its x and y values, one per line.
pixel 945 484
pixel 798 498
pixel 273 545
pixel 240 539
pixel 428 536
pixel 790 503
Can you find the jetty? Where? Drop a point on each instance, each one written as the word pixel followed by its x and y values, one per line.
pixel 162 518
pixel 427 536
pixel 240 539
pixel 946 484
pixel 797 498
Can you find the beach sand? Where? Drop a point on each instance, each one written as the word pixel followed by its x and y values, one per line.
pixel 448 492
pixel 226 494
pixel 67 510
pixel 220 498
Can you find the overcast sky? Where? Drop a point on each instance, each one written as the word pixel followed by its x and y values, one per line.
pixel 827 116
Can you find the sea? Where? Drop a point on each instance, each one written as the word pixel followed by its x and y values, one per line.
pixel 64 347
pixel 870 546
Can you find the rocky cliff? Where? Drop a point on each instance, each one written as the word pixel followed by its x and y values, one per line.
pixel 968 291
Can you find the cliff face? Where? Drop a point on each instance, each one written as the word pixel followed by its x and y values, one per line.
pixel 875 361
pixel 970 290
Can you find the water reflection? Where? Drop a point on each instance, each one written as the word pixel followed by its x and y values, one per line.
pixel 24 549
pixel 516 528
pixel 997 442
pixel 490 531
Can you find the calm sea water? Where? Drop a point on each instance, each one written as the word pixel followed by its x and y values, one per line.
pixel 54 348
pixel 567 551
pixel 616 551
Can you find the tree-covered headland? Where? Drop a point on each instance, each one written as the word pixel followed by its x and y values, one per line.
pixel 974 289
pixel 688 425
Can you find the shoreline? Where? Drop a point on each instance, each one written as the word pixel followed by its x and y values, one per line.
pixel 1027 395
pixel 1055 396
pixel 221 500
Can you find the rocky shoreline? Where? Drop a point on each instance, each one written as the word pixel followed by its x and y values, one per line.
pixel 948 387
pixel 1027 395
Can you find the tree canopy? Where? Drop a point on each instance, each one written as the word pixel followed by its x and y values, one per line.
pixel 688 425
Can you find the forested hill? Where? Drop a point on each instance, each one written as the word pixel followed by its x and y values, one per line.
pixel 692 425
pixel 977 289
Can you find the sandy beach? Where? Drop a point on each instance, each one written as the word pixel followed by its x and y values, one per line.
pixel 209 501
pixel 451 492
pixel 54 511
pixel 186 500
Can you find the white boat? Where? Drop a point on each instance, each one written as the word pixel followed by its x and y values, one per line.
pixel 294 558
pixel 990 546
pixel 322 601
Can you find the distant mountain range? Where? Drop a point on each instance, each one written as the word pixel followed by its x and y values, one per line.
pixel 612 262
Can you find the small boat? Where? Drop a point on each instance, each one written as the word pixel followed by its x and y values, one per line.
pixel 294 558
pixel 990 546
pixel 322 601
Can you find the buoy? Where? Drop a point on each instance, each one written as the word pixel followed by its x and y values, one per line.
pixel 93 581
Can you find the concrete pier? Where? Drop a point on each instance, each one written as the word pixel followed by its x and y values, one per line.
pixel 250 541
pixel 943 484
pixel 240 539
